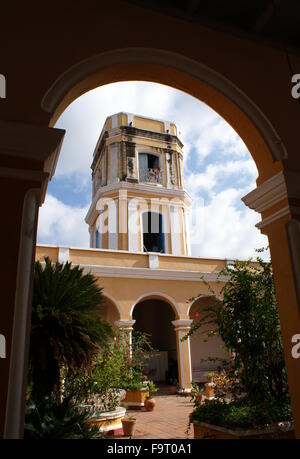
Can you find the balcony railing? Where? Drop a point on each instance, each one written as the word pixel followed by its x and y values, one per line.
pixel 151 176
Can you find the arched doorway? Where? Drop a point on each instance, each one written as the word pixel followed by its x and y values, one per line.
pixel 154 316
pixel 207 354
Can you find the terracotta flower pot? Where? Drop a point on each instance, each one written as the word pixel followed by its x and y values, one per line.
pixel 150 404
pixel 210 390
pixel 128 427
pixel 173 390
pixel 198 397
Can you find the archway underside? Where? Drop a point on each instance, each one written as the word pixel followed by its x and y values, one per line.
pixel 228 110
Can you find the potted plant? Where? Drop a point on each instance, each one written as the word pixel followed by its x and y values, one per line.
pixel 196 393
pixel 210 385
pixel 174 386
pixel 128 424
pixel 135 354
pixel 150 402
pixel 136 392
pixel 209 376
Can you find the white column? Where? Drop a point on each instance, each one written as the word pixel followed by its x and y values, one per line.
pixel 112 225
pixel 63 254
pixel 91 237
pixel 98 230
pixel 187 231
pixel 126 326
pixel 153 261
pixel 168 159
pixel 175 230
pixel 182 327
pixel 133 226
pixel 15 404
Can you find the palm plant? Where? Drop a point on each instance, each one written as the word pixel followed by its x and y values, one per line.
pixel 67 330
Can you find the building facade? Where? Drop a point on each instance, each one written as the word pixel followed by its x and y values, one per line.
pixel 140 245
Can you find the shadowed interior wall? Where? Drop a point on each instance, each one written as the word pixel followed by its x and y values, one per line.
pixel 213 348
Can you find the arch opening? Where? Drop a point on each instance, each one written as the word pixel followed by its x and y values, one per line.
pixel 154 317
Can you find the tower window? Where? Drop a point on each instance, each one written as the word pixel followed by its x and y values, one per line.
pixel 153 236
pixel 149 169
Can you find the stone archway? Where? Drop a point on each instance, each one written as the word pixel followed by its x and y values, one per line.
pixel 277 197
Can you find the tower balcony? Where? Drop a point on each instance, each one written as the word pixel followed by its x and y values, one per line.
pixel 152 175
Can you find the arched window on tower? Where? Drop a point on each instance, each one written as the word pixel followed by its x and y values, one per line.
pixel 153 235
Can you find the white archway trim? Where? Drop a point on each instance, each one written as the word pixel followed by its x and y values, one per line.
pixel 157 296
pixel 114 301
pixel 83 69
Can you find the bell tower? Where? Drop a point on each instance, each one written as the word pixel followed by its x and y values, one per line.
pixel 139 200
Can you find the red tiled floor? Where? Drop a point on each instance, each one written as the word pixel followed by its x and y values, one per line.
pixel 169 419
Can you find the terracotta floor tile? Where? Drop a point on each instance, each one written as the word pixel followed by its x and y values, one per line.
pixel 168 420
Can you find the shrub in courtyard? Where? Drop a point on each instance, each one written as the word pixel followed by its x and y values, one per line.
pixel 102 385
pixel 67 331
pixel 241 414
pixel 135 356
pixel 99 385
pixel 47 419
pixel 247 320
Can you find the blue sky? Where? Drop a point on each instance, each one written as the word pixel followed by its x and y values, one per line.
pixel 218 169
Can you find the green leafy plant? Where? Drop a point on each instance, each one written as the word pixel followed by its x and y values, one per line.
pixel 247 320
pixel 152 388
pixel 195 387
pixel 67 331
pixel 134 355
pixel 48 419
pixel 241 414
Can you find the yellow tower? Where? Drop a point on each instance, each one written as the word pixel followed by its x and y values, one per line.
pixel 139 201
pixel 140 245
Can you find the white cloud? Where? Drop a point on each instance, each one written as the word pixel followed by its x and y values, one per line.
pixel 213 173
pixel 61 224
pixel 219 157
pixel 223 231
